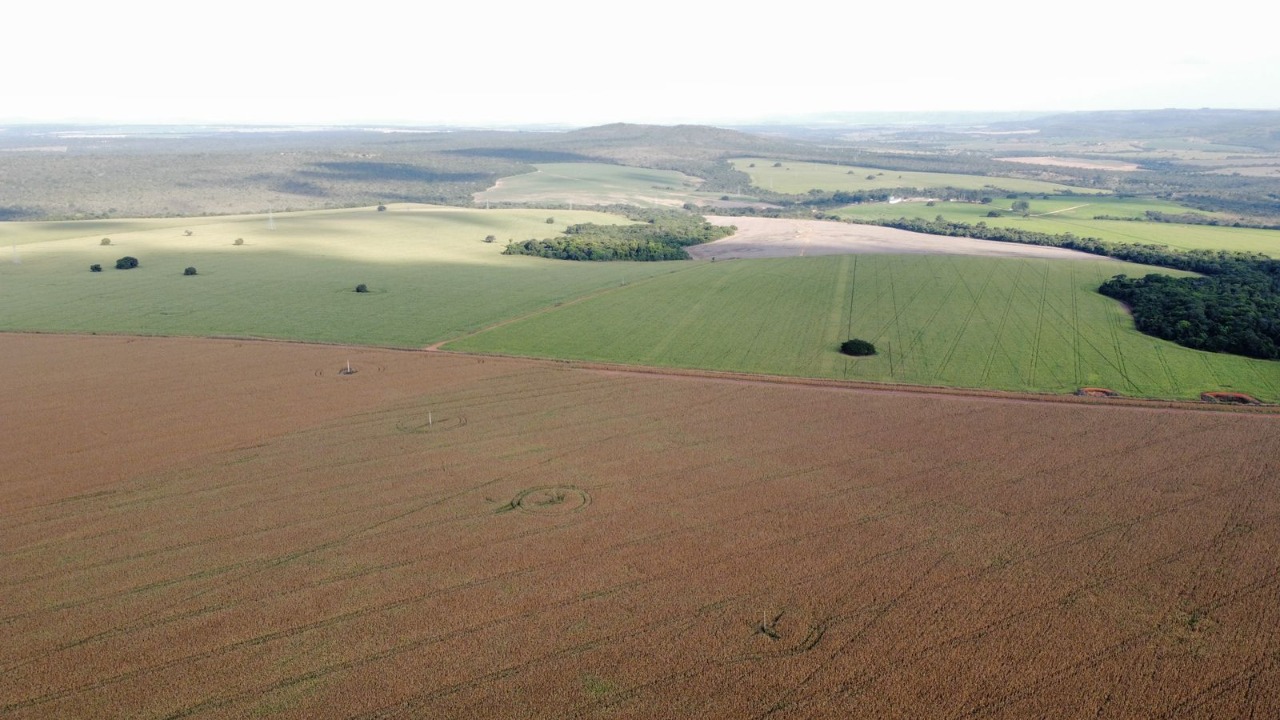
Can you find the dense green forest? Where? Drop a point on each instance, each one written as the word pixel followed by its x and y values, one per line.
pixel 1235 310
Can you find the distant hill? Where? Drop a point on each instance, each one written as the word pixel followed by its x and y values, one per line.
pixel 1246 128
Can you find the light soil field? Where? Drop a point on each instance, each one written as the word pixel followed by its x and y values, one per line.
pixel 1090 164
pixel 1014 324
pixel 801 177
pixel 785 237
pixel 232 529
pixel 1075 215
pixel 595 184
pixel 430 274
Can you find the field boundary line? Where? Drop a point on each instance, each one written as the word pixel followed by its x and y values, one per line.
pixel 727 375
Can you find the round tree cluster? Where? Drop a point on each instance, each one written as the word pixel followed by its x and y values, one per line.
pixel 857 348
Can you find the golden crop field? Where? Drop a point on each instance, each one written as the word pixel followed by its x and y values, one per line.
pixel 232 528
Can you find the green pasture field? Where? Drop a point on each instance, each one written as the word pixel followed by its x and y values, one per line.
pixel 25 233
pixel 966 322
pixel 594 184
pixel 1012 324
pixel 801 177
pixel 430 275
pixel 1075 215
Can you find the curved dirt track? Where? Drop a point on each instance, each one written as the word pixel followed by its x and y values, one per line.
pixel 786 237
pixel 442 535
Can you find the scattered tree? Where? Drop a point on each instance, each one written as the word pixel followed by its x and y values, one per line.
pixel 994 213
pixel 127 263
pixel 857 348
pixel 1021 206
pixel 105 241
pixel 490 238
pixel 95 268
pixel 187 233
pixel 382 208
pixel 362 288
pixel 551 221
pixel 239 241
pixel 189 271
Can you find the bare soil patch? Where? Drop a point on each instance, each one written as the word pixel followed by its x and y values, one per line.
pixel 1234 398
pixel 785 237
pixel 211 528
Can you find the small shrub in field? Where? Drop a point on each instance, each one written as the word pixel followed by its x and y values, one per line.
pixel 95 268
pixel 189 271
pixel 187 233
pixel 551 221
pixel 362 288
pixel 490 238
pixel 382 208
pixel 105 241
pixel 777 164
pixel 857 348
pixel 127 262
pixel 993 213
pixel 239 241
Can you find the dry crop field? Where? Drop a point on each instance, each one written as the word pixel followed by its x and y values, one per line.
pixel 230 529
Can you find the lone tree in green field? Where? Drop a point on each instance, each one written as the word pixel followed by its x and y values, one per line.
pixel 362 288
pixel 189 271
pixel 128 262
pixel 857 348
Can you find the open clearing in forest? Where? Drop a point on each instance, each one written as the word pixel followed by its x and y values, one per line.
pixel 239 530
pixel 595 184
pixel 1091 164
pixel 800 177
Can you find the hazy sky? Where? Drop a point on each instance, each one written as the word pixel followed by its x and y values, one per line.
pixel 658 61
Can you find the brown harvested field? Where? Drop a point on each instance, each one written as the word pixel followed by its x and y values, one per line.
pixel 228 529
pixel 786 237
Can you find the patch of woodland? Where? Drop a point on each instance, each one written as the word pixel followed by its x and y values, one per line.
pixel 659 235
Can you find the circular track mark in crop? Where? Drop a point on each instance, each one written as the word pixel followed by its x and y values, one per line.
pixel 551 500
pixel 430 423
